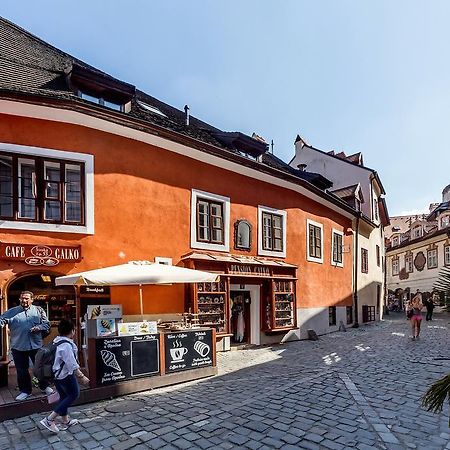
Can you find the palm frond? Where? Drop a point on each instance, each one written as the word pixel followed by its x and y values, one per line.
pixel 433 400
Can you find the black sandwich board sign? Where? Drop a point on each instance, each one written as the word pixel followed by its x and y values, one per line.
pixel 123 358
pixel 187 350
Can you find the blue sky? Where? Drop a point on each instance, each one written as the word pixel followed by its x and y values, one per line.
pixel 345 75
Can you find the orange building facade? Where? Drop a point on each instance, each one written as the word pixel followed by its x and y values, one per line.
pixel 143 210
pixel 86 186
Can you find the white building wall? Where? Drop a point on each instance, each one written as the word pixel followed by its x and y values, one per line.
pixel 368 282
pixel 423 280
pixel 317 319
pixel 344 174
pixel 340 172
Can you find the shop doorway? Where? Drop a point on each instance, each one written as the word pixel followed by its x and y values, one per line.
pixel 59 302
pixel 240 302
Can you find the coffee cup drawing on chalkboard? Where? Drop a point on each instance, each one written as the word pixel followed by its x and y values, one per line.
pixel 202 349
pixel 177 354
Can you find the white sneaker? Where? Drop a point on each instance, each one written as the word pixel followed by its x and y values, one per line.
pixel 47 391
pixel 50 425
pixel 22 396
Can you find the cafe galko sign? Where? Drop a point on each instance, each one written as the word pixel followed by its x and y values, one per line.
pixel 39 255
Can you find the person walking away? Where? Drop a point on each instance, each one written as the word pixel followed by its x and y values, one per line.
pixel 430 307
pixel 67 373
pixel 26 324
pixel 416 305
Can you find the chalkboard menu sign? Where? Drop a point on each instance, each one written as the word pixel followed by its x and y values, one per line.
pixel 126 357
pixel 187 350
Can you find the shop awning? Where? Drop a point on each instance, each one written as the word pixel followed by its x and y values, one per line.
pixel 237 259
pixel 137 273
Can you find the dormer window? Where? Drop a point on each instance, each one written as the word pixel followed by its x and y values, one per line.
pixel 417 232
pixel 101 101
pixel 100 88
pixel 395 241
pixel 445 221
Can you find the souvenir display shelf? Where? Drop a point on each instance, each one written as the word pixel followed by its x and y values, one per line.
pixel 210 305
pixel 280 308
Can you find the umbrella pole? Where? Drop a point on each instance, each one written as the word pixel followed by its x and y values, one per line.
pixel 140 300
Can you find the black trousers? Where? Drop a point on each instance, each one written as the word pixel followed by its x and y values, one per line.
pixel 429 315
pixel 22 363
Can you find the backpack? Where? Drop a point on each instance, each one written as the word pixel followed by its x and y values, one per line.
pixel 44 333
pixel 44 360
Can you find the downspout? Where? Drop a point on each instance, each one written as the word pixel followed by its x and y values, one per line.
pixel 355 287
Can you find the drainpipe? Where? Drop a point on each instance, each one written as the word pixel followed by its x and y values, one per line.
pixel 355 287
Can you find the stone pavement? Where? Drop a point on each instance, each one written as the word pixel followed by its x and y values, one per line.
pixel 360 389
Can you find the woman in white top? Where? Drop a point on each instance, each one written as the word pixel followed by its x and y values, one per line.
pixel 67 372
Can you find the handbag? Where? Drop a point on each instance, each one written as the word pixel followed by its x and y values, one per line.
pixel 53 397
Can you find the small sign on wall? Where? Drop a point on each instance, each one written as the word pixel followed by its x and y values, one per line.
pixel 104 311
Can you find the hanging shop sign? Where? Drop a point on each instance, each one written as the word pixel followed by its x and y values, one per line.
pixel 245 269
pixel 39 255
pixel 188 350
pixel 94 290
pixel 126 358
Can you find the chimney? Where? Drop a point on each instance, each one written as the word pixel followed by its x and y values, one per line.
pixel 186 114
pixel 302 167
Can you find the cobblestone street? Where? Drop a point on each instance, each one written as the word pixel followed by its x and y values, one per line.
pixel 360 389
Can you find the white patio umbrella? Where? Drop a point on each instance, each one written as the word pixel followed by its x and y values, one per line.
pixel 137 273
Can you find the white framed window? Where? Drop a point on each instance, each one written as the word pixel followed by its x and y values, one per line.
pixel 432 259
pixel 395 266
pixel 314 241
pixel 375 209
pixel 447 255
pixel 445 221
pixel 409 263
pixel 44 200
pixel 337 244
pixel 395 241
pixel 272 225
pixel 210 221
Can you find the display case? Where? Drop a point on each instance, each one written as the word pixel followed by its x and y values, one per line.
pixel 210 303
pixel 57 306
pixel 280 306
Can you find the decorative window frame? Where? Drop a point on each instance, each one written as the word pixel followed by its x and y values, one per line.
pixel 409 256
pixel 447 259
pixel 364 267
pixel 333 233
pixel 279 212
pixel 397 260
pixel 308 256
pixel 87 160
pixel 250 240
pixel 195 195
pixel 429 258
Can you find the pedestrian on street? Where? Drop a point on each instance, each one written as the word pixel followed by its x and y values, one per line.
pixel 26 324
pixel 416 305
pixel 67 373
pixel 429 304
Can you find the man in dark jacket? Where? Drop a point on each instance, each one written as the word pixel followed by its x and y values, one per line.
pixel 26 323
pixel 429 304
